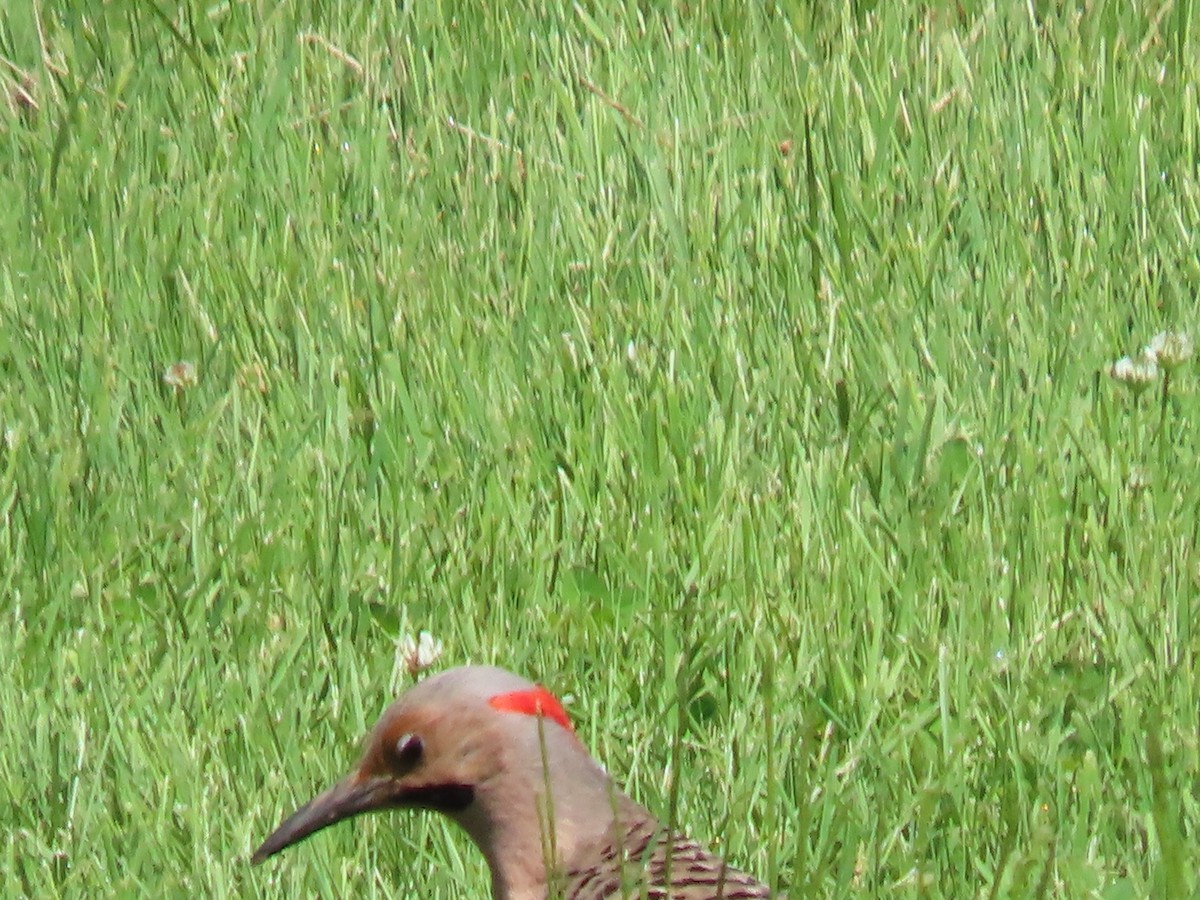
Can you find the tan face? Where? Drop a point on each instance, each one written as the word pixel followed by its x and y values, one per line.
pixel 397 770
pixel 433 757
pixel 432 749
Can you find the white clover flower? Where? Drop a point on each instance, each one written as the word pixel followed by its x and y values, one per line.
pixel 1135 372
pixel 181 375
pixel 1170 349
pixel 418 653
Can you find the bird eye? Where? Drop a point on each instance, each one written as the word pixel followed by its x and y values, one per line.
pixel 408 749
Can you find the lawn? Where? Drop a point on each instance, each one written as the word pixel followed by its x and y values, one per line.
pixel 743 372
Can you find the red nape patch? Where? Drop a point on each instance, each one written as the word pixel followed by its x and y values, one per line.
pixel 535 701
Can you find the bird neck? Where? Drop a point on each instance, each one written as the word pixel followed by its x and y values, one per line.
pixel 579 837
pixel 534 823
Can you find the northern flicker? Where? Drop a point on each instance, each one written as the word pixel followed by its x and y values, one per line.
pixel 498 755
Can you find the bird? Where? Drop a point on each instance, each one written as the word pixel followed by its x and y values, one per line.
pixel 498 755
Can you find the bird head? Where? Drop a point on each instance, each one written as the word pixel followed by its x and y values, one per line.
pixel 481 745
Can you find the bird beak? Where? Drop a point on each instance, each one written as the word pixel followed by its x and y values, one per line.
pixel 349 797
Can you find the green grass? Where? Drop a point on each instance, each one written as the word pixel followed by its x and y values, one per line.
pixel 739 371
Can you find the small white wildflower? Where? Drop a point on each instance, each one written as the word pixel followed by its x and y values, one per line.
pixel 1137 372
pixel 1170 349
pixel 1000 659
pixel 181 375
pixel 418 653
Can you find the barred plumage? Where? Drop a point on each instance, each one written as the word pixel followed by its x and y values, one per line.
pixel 497 754
pixel 647 858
